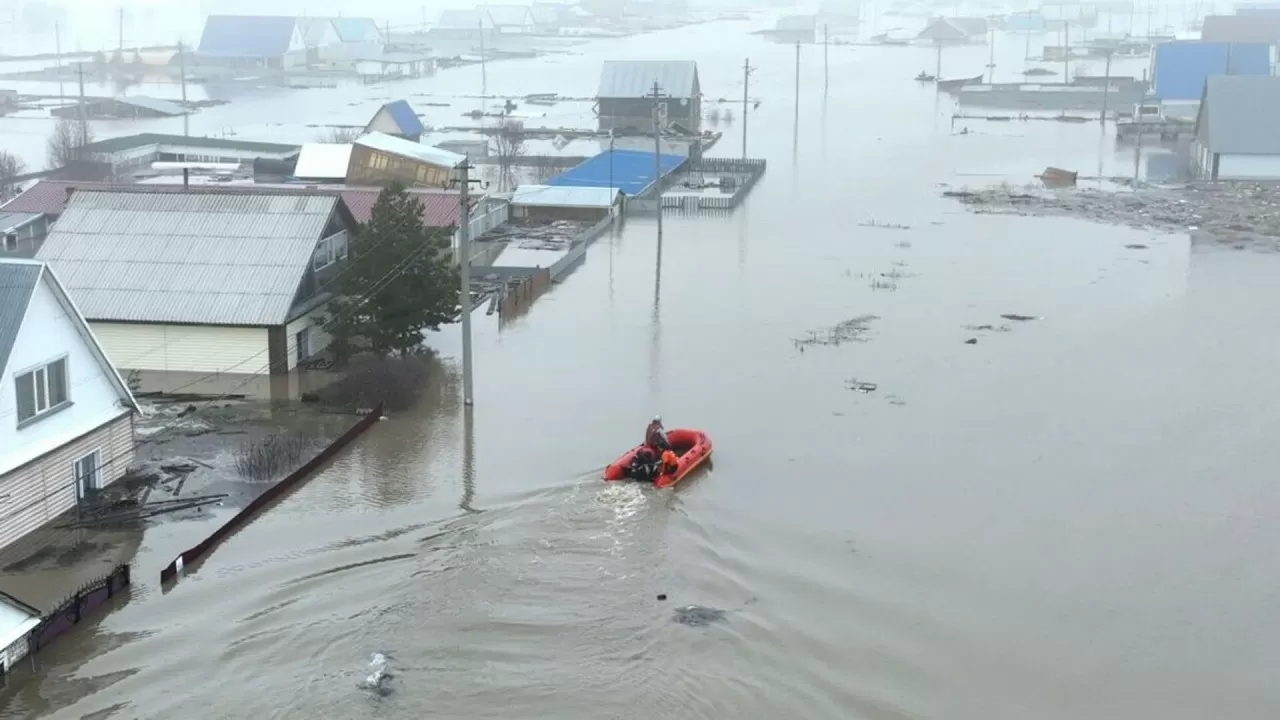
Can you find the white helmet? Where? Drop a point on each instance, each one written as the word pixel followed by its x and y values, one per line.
pixel 657 419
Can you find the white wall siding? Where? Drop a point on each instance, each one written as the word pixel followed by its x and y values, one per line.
pixel 48 333
pixel 320 339
pixel 1249 167
pixel 184 348
pixel 45 488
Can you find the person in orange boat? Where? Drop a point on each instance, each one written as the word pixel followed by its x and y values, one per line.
pixel 670 463
pixel 655 436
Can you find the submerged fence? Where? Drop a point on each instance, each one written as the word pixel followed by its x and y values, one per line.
pixel 295 478
pixel 752 169
pixel 76 608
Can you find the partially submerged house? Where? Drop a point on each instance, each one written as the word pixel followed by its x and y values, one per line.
pixel 510 19
pixel 1235 133
pixel 943 31
pixel 269 41
pixel 120 108
pixel 398 119
pixel 323 162
pixel 380 159
pixel 631 172
pixel 17 621
pixel 551 202
pixel 1179 70
pixel 121 156
pixel 202 281
pixel 342 40
pixel 625 96
pixel 795 29
pixel 1261 27
pixel 21 233
pixel 66 416
pixel 462 31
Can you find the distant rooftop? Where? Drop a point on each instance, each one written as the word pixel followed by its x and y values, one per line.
pixel 635 78
pixel 412 150
pixel 1242 112
pixel 247 36
pixel 631 171
pixel 129 142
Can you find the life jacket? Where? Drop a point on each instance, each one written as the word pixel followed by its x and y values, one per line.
pixel 670 463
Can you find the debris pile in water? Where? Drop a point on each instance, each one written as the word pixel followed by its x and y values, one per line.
pixel 854 329
pixel 1234 214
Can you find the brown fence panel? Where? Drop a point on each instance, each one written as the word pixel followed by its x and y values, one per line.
pixel 274 493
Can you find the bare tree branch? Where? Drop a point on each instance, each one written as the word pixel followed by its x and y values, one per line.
pixel 339 135
pixel 63 148
pixel 508 147
pixel 11 167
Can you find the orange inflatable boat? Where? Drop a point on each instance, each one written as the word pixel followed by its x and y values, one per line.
pixel 692 448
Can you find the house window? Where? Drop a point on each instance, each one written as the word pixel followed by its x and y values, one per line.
pixel 329 251
pixel 41 390
pixel 88 471
pixel 10 242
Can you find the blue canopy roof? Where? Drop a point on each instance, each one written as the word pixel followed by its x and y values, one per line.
pixel 1181 67
pixel 631 171
pixel 246 36
pixel 405 118
pixel 352 30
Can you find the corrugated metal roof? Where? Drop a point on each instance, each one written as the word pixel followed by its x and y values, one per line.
pixel 201 258
pixel 17 283
pixel 323 161
pixel 14 220
pixel 509 15
pixel 565 196
pixel 630 171
pixel 1181 67
pixel 405 118
pixel 463 20
pixel 1252 28
pixel 154 104
pixel 412 150
pixel 129 142
pixel 246 36
pixel 1243 112
pixel 635 78
pixel 942 30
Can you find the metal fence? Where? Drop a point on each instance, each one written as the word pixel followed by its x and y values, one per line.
pixel 77 607
pixel 751 168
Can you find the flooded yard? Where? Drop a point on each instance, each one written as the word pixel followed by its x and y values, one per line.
pixel 968 465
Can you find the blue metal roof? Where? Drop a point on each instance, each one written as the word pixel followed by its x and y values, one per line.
pixel 1181 67
pixel 354 30
pixel 631 171
pixel 246 36
pixel 405 118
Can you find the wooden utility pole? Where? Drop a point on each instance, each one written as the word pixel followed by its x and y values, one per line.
pixel 659 110
pixel 186 111
pixel 464 265
pixel 826 62
pixel 797 85
pixel 1106 88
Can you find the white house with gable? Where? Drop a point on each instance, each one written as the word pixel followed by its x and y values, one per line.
pixel 66 416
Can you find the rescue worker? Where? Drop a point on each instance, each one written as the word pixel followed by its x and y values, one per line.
pixel 670 463
pixel 655 436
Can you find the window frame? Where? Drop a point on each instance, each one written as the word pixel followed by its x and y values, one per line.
pixel 96 479
pixel 40 385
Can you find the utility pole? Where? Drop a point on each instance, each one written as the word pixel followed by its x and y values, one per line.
pixel 826 64
pixel 746 83
pixel 1066 52
pixel 658 113
pixel 121 31
pixel 991 64
pixel 1106 87
pixel 186 111
pixel 464 264
pixel 84 122
pixel 484 75
pixel 797 85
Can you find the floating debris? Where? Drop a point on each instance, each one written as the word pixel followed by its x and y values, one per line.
pixel 698 616
pixel 1019 318
pixel 884 226
pixel 1136 246
pixel 971 341
pixel 859 386
pixel 988 328
pixel 379 676
pixel 854 329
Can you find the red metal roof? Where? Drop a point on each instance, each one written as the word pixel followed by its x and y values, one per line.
pixel 440 208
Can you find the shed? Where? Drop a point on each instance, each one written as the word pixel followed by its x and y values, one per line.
pixel 1262 27
pixel 398 119
pixel 626 88
pixel 630 171
pixel 565 202
pixel 224 282
pixel 21 233
pixel 942 31
pixel 1235 133
pixel 17 620
pixel 323 162
pixel 1180 68
pixel 269 40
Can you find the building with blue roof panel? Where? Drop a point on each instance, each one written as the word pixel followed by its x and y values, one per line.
pixel 1180 68
pixel 630 171
pixel 398 119
pixel 253 40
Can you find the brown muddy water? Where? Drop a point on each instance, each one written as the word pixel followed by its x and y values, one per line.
pixel 1073 516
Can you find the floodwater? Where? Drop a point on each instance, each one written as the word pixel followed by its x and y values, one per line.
pixel 1074 517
